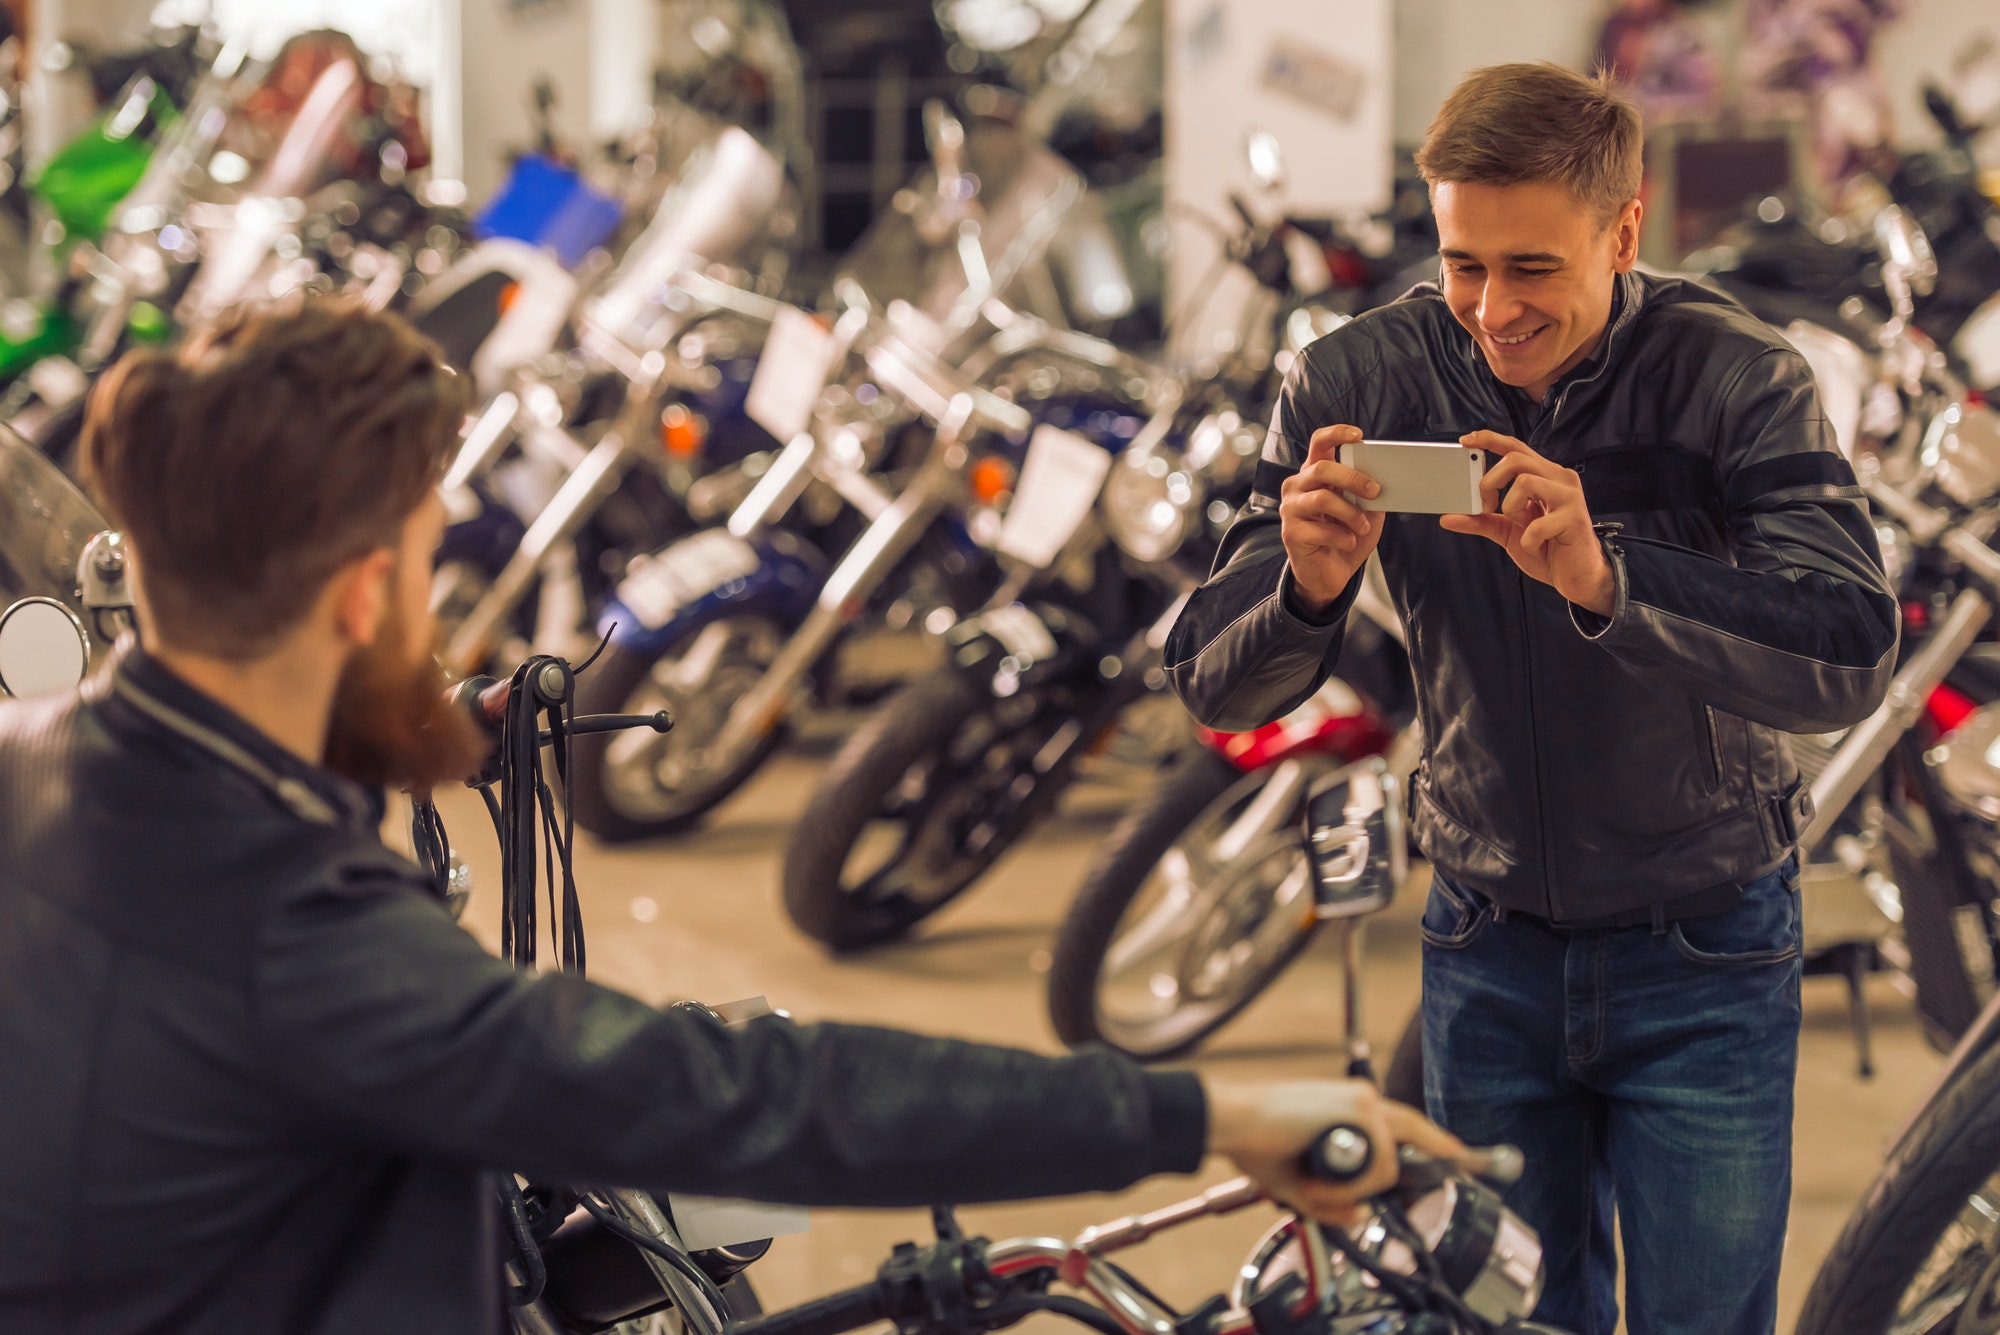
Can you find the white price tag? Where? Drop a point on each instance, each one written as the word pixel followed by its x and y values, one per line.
pixel 692 568
pixel 1979 343
pixel 1058 485
pixel 797 359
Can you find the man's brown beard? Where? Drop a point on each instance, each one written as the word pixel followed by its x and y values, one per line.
pixel 392 726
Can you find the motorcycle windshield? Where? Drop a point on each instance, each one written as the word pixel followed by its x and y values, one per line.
pixel 45 523
pixel 920 252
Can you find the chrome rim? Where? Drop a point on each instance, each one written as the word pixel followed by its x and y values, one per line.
pixel 1963 1265
pixel 1216 915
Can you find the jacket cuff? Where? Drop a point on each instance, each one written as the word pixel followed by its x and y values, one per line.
pixel 1593 626
pixel 1179 1114
pixel 1293 605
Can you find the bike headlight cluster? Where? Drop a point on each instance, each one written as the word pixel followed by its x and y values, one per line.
pixel 1150 501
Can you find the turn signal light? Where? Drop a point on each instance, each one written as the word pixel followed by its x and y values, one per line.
pixel 992 478
pixel 681 432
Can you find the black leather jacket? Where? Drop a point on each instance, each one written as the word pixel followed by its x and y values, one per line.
pixel 1577 767
pixel 256 1078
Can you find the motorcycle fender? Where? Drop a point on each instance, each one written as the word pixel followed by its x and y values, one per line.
pixel 1004 647
pixel 707 574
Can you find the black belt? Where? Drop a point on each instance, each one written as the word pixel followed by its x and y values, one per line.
pixel 1715 900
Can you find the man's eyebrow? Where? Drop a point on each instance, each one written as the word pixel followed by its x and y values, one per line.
pixel 1524 257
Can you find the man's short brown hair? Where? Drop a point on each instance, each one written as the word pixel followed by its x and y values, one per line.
pixel 270 450
pixel 1513 124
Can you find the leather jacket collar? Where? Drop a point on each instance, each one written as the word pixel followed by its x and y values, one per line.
pixel 140 692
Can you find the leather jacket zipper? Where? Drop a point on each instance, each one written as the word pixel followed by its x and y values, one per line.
pixel 1708 744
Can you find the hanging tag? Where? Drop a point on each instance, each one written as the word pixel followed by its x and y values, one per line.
pixel 1057 487
pixel 792 370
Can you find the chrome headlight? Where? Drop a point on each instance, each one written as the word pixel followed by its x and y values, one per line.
pixel 1150 501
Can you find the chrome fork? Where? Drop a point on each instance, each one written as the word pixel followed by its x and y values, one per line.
pixel 860 572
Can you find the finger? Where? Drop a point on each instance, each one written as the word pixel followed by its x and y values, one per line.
pixel 1547 492
pixel 1504 473
pixel 1324 505
pixel 1338 476
pixel 1497 527
pixel 1328 439
pixel 1550 530
pixel 1412 1128
pixel 1495 443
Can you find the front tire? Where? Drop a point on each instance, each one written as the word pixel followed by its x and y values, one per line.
pixel 1202 916
pixel 930 783
pixel 1922 1251
pixel 640 784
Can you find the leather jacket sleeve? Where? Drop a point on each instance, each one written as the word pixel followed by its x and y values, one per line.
pixel 387 1024
pixel 1243 652
pixel 1800 632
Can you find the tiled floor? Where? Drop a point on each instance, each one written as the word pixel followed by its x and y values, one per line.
pixel 698 917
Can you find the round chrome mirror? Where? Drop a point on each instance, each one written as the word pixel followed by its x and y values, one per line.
pixel 1267 159
pixel 43 649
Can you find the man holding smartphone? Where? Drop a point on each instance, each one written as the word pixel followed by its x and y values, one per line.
pixel 1675 567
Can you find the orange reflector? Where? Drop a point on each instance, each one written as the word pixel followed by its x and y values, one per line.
pixel 507 296
pixel 991 479
pixel 681 432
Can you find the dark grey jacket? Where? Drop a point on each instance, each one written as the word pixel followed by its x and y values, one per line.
pixel 1576 767
pixel 256 1078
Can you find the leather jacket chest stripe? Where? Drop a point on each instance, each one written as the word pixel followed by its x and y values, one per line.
pixel 1815 474
pixel 1649 478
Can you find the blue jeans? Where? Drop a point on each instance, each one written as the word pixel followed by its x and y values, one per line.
pixel 1642 1068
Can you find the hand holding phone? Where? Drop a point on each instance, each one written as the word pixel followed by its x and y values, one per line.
pixel 1541 518
pixel 1327 535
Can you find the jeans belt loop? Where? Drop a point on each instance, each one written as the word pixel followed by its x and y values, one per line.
pixel 1659 919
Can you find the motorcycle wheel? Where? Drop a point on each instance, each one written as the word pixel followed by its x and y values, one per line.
pixel 1922 1251
pixel 914 809
pixel 640 784
pixel 1164 944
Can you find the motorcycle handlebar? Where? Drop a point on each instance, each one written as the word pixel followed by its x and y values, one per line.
pixel 832 1315
pixel 1344 1153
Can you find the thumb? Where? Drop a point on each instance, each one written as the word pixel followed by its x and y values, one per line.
pixel 1495 527
pixel 1411 1127
pixel 1328 439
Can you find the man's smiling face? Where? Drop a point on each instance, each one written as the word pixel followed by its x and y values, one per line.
pixel 1528 270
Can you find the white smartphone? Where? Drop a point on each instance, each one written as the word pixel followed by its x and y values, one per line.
pixel 1418 477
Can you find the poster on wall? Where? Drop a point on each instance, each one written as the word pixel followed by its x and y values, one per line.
pixel 1313 79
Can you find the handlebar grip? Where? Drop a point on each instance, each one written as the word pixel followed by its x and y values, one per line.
pixel 1343 1153
pixel 831 1315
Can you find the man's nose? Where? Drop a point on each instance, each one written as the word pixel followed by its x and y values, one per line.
pixel 1499 307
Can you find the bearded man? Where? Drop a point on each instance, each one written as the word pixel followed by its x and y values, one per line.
pixel 257 1079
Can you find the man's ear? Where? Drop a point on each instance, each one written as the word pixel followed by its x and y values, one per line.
pixel 360 593
pixel 1626 228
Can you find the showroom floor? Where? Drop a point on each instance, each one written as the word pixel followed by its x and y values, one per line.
pixel 699 917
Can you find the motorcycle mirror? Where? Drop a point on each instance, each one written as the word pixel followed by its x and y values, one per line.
pixel 1267 159
pixel 1903 244
pixel 43 649
pixel 1945 112
pixel 1356 837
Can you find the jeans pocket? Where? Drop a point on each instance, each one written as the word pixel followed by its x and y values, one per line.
pixel 1453 918
pixel 1763 929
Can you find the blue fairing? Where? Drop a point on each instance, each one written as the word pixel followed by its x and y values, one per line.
pixel 784 586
